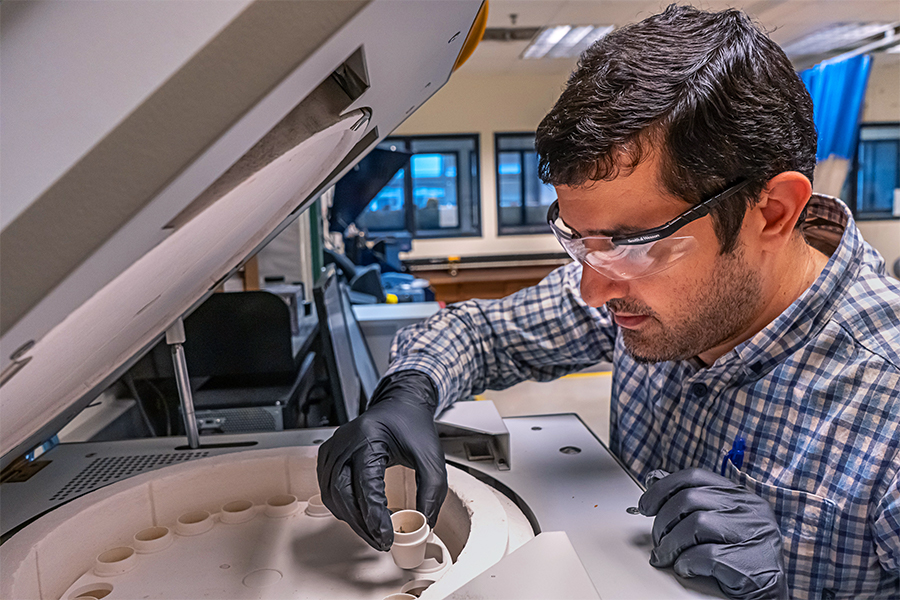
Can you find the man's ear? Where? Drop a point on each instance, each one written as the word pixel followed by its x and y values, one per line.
pixel 780 205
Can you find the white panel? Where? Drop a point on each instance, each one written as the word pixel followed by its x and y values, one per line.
pixel 130 311
pixel 545 567
pixel 404 70
pixel 70 76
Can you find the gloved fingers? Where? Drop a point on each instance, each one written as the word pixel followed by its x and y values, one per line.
pixel 342 504
pixel 740 575
pixel 697 528
pixel 689 501
pixel 654 476
pixel 370 501
pixel 697 561
pixel 334 469
pixel 659 493
pixel 431 485
pixel 330 463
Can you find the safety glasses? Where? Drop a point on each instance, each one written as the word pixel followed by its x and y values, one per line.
pixel 639 254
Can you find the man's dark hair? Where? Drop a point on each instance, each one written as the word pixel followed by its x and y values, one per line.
pixel 711 92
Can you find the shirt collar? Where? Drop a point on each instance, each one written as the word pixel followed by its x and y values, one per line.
pixel 830 228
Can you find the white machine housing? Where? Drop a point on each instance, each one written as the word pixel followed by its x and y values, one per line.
pixel 150 148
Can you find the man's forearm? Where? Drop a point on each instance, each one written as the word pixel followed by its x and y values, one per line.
pixel 539 333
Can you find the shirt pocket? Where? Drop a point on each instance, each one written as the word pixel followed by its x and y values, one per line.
pixel 807 527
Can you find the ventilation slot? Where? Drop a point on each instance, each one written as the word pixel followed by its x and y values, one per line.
pixel 108 469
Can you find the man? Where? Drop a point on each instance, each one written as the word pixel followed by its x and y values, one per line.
pixel 768 320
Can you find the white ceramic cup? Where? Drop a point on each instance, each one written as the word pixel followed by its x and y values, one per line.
pixel 115 562
pixel 239 511
pixel 283 505
pixel 411 533
pixel 316 508
pixel 152 539
pixel 194 523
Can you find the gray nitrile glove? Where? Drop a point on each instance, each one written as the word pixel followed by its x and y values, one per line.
pixel 707 525
pixel 397 429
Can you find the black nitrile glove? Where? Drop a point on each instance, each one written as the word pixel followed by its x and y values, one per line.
pixel 707 525
pixel 397 429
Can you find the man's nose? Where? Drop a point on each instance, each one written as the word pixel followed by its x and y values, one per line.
pixel 597 289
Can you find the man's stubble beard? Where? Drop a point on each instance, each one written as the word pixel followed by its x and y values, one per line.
pixel 723 306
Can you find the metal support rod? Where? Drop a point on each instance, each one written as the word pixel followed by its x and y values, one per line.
pixel 175 338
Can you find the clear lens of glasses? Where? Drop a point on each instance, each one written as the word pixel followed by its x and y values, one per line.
pixel 623 262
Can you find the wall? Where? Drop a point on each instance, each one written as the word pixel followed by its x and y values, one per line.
pixel 883 104
pixel 489 103
pixel 885 237
pixel 883 94
pixel 485 104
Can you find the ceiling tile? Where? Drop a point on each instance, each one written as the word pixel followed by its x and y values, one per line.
pixel 529 13
pixel 784 20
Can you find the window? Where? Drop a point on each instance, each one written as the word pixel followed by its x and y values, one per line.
pixel 522 200
pixel 435 195
pixel 874 178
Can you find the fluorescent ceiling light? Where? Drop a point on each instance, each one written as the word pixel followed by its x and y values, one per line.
pixel 835 37
pixel 564 41
pixel 545 41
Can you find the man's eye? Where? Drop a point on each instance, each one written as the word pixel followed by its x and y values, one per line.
pixel 599 245
pixel 657 251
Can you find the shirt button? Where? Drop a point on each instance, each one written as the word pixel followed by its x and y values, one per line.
pixel 699 390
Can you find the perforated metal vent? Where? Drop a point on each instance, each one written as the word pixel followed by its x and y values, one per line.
pixel 238 420
pixel 108 469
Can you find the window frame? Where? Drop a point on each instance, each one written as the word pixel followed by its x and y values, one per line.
pixel 851 185
pixel 507 230
pixel 409 204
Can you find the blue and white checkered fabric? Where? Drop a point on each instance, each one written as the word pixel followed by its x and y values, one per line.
pixel 816 396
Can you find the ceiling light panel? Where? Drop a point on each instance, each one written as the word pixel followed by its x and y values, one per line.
pixel 564 41
pixel 835 37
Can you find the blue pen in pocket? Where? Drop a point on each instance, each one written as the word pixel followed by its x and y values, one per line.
pixel 735 455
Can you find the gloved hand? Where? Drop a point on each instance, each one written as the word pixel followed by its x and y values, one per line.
pixel 708 525
pixel 397 428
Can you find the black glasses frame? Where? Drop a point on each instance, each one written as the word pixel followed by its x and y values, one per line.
pixel 663 231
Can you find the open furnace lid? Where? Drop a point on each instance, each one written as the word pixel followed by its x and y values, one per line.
pixel 150 148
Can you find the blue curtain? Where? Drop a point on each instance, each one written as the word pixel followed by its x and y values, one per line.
pixel 837 91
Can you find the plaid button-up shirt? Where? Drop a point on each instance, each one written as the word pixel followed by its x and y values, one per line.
pixel 816 396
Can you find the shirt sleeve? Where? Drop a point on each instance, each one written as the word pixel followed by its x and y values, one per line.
pixel 886 526
pixel 540 333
